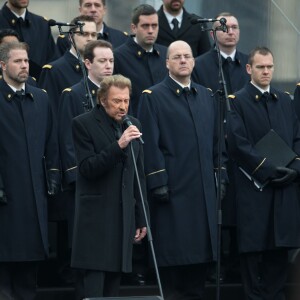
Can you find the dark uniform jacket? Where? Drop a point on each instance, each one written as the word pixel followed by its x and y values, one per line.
pixel 270 218
pixel 192 34
pixel 108 203
pixel 28 133
pixel 297 100
pixel 58 75
pixel 144 69
pixel 36 32
pixel 114 36
pixel 181 152
pixel 73 102
pixel 206 71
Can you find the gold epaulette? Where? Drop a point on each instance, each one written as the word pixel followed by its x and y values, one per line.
pixel 231 96
pixel 209 89
pixel 61 36
pixel 298 84
pixel 44 91
pixel 125 32
pixel 67 90
pixel 47 67
pixel 46 19
pixel 147 91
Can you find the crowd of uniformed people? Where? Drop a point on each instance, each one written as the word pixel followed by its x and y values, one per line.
pixel 179 96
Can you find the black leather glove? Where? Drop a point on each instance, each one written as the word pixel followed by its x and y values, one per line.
pixel 53 187
pixel 285 176
pixel 3 199
pixel 161 193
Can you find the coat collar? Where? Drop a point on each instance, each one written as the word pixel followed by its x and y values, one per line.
pixel 12 18
pixel 138 50
pixel 9 94
pixel 256 94
pixel 176 88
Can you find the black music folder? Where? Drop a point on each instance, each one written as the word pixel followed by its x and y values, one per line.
pixel 276 150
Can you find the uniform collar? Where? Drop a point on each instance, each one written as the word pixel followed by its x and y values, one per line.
pixel 139 51
pixel 256 94
pixel 12 18
pixel 9 93
pixel 177 88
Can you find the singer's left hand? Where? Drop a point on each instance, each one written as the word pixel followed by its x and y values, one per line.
pixel 140 233
pixel 128 135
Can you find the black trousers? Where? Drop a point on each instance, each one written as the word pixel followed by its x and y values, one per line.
pixel 18 280
pixel 92 283
pixel 183 282
pixel 264 274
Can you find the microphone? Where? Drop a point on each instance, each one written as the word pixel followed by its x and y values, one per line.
pixel 201 20
pixel 126 121
pixel 52 22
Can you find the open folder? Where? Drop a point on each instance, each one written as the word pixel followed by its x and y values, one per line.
pixel 276 150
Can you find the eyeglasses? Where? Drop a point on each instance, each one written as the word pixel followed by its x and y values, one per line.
pixel 179 57
pixel 233 27
pixel 86 34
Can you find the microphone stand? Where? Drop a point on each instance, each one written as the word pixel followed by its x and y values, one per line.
pixel 223 97
pixel 89 103
pixel 149 234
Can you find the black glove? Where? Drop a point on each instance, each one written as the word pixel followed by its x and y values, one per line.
pixel 3 199
pixel 53 187
pixel 285 176
pixel 161 193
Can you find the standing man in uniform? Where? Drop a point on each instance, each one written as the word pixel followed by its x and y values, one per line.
pixel 268 220
pixel 109 215
pixel 28 156
pixel 180 133
pixel 96 9
pixel 140 58
pixel 66 71
pixel 32 29
pixel 175 24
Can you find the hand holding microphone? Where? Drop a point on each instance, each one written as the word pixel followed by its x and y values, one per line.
pixel 131 133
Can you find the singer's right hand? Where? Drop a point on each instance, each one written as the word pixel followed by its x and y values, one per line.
pixel 128 135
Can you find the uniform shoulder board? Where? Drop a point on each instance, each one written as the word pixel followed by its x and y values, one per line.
pixel 46 19
pixel 61 36
pixel 286 92
pixel 209 89
pixel 47 67
pixel 231 96
pixel 44 91
pixel 147 91
pixel 33 78
pixel 298 84
pixel 125 32
pixel 67 90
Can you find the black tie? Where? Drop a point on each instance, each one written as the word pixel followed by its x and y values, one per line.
pixel 227 73
pixel 100 36
pixel 175 28
pixel 19 98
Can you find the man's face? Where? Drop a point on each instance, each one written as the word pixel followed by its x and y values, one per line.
pixel 146 30
pixel 93 8
pixel 18 3
pixel 180 61
pixel 16 69
pixel 231 38
pixel 102 65
pixel 173 6
pixel 261 70
pixel 89 34
pixel 117 102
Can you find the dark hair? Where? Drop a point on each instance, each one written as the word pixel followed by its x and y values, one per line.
pixel 223 14
pixel 5 49
pixel 90 46
pixel 8 32
pixel 103 2
pixel 83 19
pixel 142 10
pixel 260 50
pixel 115 80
